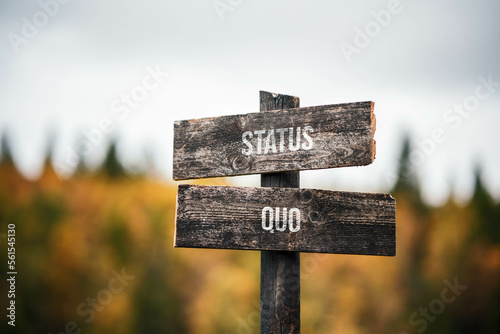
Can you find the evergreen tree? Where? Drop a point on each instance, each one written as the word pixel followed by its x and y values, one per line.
pixel 407 183
pixel 81 168
pixel 5 151
pixel 487 213
pixel 112 166
pixel 405 175
pixel 481 197
pixel 407 191
pixel 49 153
pixel 48 173
pixel 8 169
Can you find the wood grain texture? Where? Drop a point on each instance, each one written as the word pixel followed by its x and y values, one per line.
pixel 279 271
pixel 342 136
pixel 280 292
pixel 331 221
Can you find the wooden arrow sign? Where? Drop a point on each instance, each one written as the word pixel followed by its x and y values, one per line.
pixel 275 141
pixel 285 219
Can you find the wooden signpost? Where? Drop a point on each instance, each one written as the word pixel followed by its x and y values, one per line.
pixel 279 219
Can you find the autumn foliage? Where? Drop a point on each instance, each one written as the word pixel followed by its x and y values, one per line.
pixel 95 251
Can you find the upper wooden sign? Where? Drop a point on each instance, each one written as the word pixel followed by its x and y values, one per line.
pixel 285 219
pixel 294 139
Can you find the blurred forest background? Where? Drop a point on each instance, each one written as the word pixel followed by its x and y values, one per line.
pixel 94 253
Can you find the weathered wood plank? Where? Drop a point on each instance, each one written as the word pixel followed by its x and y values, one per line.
pixel 279 271
pixel 329 136
pixel 330 221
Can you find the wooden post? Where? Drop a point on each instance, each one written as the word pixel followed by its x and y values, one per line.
pixel 280 271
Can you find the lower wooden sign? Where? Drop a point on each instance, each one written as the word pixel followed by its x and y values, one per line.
pixel 285 219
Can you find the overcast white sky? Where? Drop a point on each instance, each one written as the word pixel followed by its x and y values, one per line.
pixel 67 75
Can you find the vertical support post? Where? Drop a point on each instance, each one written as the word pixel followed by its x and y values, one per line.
pixel 280 271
